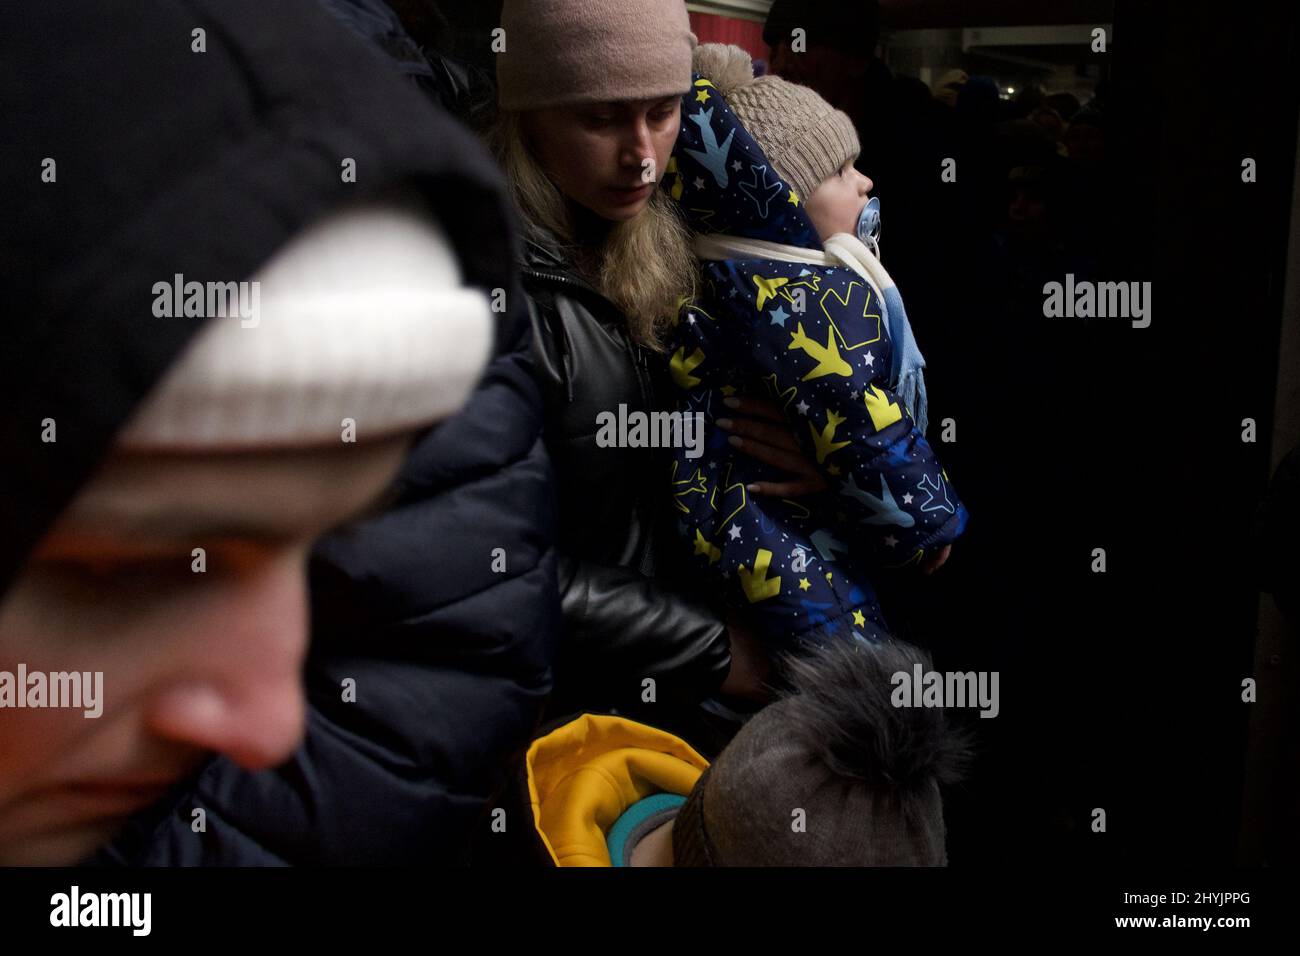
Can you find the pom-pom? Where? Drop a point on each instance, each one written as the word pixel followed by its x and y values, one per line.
pixel 727 67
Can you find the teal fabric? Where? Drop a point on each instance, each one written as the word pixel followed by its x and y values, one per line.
pixel 633 818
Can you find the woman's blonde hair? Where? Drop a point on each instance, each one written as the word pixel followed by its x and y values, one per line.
pixel 644 265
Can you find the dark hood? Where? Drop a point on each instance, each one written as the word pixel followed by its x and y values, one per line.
pixel 174 161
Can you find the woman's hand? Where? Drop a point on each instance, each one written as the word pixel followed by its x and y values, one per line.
pixel 767 437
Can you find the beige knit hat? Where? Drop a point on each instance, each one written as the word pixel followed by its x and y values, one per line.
pixel 805 138
pixel 562 52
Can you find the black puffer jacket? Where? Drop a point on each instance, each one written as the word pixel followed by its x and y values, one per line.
pixel 628 617
pixel 450 658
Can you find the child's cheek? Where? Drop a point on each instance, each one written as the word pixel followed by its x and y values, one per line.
pixel 851 207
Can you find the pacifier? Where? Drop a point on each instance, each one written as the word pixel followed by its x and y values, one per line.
pixel 869 222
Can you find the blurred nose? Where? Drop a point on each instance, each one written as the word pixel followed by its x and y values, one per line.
pixel 867 184
pixel 637 146
pixel 238 689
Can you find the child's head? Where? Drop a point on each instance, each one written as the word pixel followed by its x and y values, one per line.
pixel 812 145
pixel 832 775
pixel 836 204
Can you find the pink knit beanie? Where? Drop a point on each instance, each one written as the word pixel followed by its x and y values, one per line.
pixel 563 52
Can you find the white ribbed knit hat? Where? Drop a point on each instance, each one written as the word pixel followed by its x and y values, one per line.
pixel 363 316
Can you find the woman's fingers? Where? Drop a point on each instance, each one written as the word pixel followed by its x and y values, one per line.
pixel 758 407
pixel 767 437
pixel 809 480
pixel 787 489
pixel 769 433
pixel 777 457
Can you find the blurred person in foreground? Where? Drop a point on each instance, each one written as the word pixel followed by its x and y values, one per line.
pixel 171 465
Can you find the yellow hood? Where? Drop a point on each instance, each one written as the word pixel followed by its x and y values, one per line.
pixel 583 775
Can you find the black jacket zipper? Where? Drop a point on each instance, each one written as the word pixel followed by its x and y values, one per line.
pixel 639 364
pixel 646 514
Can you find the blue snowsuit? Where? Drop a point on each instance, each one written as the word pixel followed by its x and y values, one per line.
pixel 815 340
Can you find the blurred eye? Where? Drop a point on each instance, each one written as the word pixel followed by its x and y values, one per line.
pixel 69 582
pixel 125 573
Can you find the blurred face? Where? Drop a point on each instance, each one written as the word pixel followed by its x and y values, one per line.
pixel 838 202
pixel 1085 143
pixel 607 157
pixel 193 663
pixel 1026 206
pixel 1049 120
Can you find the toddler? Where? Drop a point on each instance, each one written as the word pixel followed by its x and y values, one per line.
pixel 796 308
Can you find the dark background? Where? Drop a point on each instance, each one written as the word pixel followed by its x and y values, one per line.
pixel 1123 690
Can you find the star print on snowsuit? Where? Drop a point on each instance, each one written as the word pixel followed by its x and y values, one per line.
pixel 813 339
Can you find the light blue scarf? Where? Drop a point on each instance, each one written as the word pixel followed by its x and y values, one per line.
pixel 907 365
pixel 907 368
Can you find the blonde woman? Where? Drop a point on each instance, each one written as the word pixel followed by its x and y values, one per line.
pixel 590 107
